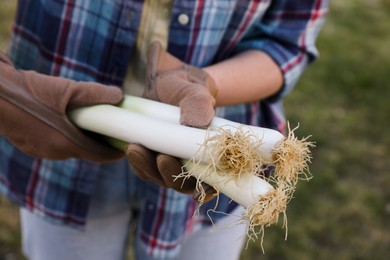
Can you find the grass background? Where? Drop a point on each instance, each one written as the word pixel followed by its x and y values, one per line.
pixel 343 101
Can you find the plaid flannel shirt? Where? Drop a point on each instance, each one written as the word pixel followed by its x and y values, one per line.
pixel 92 41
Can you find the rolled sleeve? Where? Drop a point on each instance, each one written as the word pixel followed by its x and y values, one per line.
pixel 287 33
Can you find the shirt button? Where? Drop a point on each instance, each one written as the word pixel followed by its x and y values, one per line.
pixel 183 19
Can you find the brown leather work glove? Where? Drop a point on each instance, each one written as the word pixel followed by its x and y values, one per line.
pixel 33 114
pixel 171 81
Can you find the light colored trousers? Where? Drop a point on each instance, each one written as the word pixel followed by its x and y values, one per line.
pixel 106 235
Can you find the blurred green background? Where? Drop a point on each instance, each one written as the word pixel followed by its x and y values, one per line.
pixel 343 102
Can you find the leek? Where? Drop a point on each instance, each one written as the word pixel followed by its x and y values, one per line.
pixel 228 156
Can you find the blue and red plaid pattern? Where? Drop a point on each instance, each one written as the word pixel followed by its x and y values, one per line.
pixel 93 40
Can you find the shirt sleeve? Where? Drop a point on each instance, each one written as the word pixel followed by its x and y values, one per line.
pixel 287 33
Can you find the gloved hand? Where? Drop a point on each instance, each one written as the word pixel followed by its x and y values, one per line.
pixel 171 81
pixel 33 114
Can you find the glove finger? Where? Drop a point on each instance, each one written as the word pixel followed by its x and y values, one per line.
pixel 169 168
pixel 197 110
pixel 210 193
pixel 90 93
pixel 143 161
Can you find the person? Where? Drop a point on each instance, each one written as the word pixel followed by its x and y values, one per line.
pixel 81 199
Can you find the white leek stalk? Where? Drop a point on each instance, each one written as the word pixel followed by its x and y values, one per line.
pixel 245 190
pixel 165 112
pixel 132 127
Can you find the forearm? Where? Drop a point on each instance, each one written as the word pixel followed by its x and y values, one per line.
pixel 246 77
